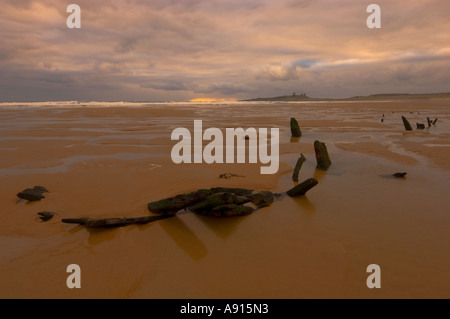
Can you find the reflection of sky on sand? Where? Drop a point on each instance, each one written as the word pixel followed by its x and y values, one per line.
pixel 100 235
pixel 185 238
pixel 177 230
pixel 223 228
pixel 305 204
pixel 68 161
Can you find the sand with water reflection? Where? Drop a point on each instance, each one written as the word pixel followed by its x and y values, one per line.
pixel 102 161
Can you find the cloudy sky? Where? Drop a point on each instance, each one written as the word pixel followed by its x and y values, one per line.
pixel 179 50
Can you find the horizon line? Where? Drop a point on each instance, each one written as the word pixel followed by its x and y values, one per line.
pixel 223 100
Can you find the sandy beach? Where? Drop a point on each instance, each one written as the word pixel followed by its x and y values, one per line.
pixel 109 160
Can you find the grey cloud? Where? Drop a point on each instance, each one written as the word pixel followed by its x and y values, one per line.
pixel 210 6
pixel 424 57
pixel 278 72
pixel 18 3
pixel 306 63
pixel 126 45
pixel 226 88
pixel 177 49
pixel 167 85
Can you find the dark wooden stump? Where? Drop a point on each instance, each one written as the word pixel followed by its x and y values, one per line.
pixel 297 168
pixel 302 188
pixel 295 128
pixel 406 123
pixel 322 157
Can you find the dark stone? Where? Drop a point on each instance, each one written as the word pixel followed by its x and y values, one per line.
pixel 44 216
pixel 302 188
pixel 295 128
pixel 41 189
pixel 420 126
pixel 31 195
pixel 262 199
pixel 399 175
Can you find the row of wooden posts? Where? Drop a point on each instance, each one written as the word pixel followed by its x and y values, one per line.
pixel 420 126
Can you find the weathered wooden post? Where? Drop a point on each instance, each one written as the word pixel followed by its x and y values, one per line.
pixel 406 123
pixel 322 157
pixel 295 128
pixel 297 168
pixel 302 188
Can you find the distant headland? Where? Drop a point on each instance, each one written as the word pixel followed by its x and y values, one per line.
pixel 387 96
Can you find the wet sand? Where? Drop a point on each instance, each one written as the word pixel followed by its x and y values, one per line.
pixel 111 161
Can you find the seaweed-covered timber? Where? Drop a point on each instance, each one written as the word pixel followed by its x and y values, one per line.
pixel 295 128
pixel 227 210
pixel 303 188
pixel 297 168
pixel 218 201
pixel 262 199
pixel 406 123
pixel 174 204
pixel 222 202
pixel 322 157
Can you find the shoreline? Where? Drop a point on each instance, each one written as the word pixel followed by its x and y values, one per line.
pixel 281 99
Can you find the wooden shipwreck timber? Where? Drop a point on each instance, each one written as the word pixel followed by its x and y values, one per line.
pixel 216 202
